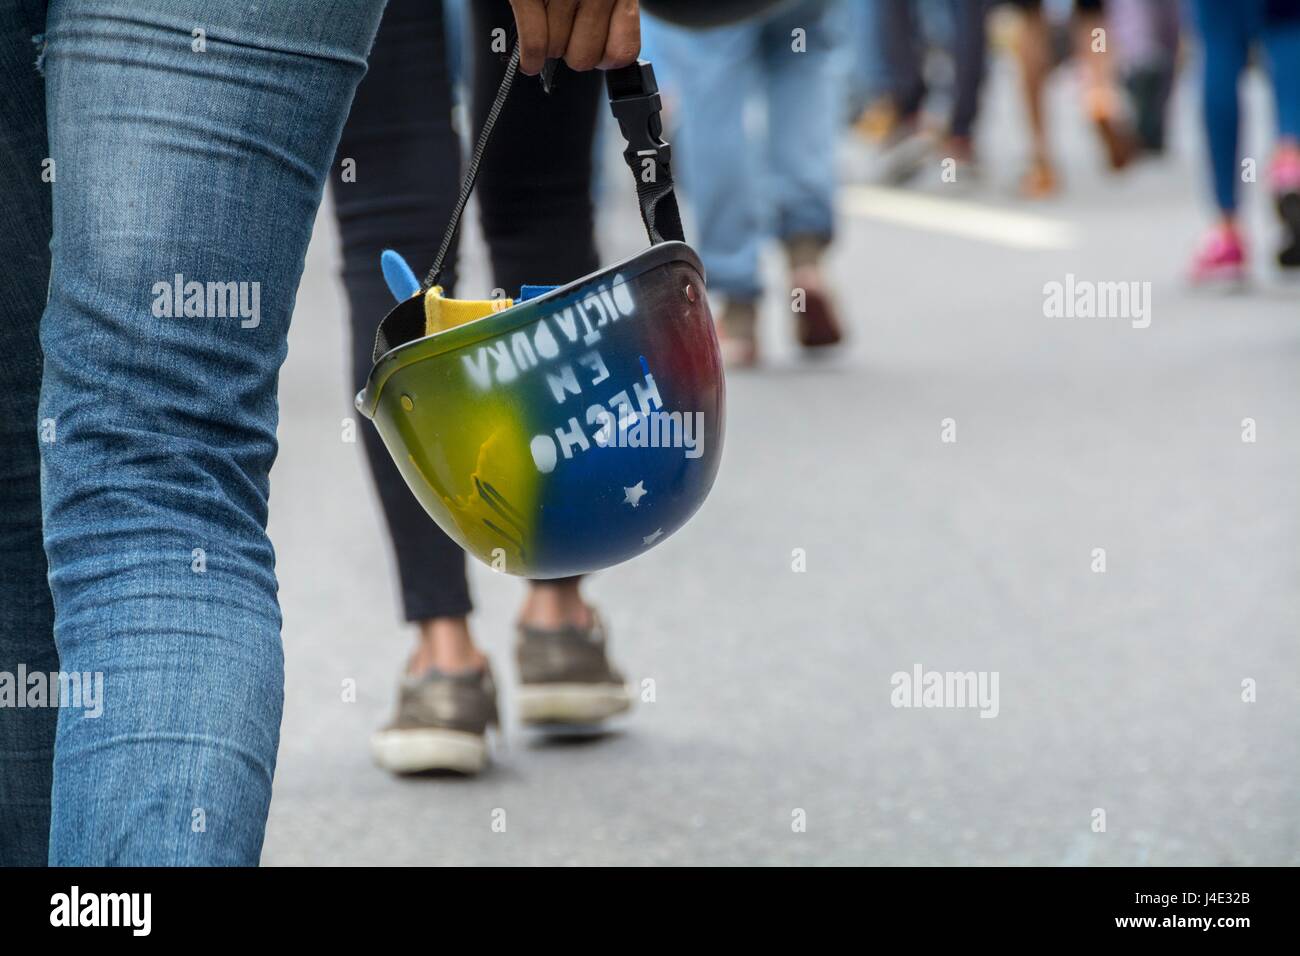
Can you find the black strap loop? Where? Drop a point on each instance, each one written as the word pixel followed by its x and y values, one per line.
pixel 634 98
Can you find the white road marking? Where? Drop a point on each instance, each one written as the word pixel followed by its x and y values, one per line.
pixel 959 217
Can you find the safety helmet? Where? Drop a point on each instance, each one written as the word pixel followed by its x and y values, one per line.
pixel 578 426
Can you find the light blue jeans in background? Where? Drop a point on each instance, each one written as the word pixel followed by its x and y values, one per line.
pixel 185 138
pixel 744 186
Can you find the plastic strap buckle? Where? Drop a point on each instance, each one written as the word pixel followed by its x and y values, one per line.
pixel 634 98
pixel 636 104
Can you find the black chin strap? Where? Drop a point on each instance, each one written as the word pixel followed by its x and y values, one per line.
pixel 634 98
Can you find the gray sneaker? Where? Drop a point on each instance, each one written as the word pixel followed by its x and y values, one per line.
pixel 441 723
pixel 566 679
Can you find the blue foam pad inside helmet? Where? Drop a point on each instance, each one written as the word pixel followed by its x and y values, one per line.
pixel 402 282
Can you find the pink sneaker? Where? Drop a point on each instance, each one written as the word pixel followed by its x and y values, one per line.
pixel 1221 258
pixel 1285 171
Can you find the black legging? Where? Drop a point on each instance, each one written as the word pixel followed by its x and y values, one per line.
pixel 534 196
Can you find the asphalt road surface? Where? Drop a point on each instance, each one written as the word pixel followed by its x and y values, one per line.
pixel 1120 691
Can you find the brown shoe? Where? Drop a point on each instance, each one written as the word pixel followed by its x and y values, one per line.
pixel 1121 145
pixel 566 679
pixel 441 723
pixel 816 324
pixel 1039 180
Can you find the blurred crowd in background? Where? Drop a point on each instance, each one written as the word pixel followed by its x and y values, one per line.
pixel 908 76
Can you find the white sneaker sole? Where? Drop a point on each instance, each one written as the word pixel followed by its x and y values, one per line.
pixel 417 751
pixel 571 703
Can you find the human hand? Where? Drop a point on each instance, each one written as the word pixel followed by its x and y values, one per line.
pixel 586 34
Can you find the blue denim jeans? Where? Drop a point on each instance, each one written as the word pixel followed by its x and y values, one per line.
pixel 188 143
pixel 742 188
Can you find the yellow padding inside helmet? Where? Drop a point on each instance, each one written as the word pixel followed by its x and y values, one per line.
pixel 441 313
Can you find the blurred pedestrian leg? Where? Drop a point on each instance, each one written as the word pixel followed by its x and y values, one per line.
pixel 1146 35
pixel 744 185
pixel 903 46
pixel 1229 33
pixel 1101 98
pixel 1034 51
pixel 869 73
pixel 970 64
pixel 407 158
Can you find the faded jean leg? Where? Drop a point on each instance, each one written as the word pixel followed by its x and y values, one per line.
pixel 193 139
